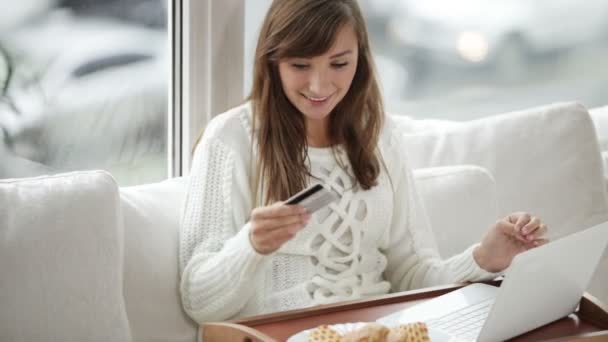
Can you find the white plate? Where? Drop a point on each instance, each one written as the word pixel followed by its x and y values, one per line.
pixel 302 336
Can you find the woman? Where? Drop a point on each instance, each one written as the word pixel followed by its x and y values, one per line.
pixel 315 116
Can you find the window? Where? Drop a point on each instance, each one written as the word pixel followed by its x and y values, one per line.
pixel 85 85
pixel 465 59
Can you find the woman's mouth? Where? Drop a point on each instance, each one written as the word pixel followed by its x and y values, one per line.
pixel 317 101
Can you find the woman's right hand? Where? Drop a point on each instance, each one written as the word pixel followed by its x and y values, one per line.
pixel 273 225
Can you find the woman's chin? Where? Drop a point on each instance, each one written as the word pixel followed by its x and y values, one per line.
pixel 316 115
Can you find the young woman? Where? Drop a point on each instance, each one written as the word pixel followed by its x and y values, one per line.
pixel 315 116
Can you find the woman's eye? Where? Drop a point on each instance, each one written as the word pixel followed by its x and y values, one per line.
pixel 339 65
pixel 299 66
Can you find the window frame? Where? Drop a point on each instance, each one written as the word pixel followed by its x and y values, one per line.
pixel 208 63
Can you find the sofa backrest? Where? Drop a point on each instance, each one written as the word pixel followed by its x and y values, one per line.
pixel 545 161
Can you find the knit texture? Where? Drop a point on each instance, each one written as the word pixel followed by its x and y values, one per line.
pixel 369 242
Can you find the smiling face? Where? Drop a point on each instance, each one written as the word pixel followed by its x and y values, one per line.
pixel 316 85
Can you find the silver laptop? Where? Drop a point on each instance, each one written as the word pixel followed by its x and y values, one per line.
pixel 542 285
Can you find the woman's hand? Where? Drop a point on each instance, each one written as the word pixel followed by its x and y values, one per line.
pixel 273 225
pixel 510 236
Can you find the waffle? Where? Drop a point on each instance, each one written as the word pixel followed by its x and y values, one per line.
pixel 373 332
pixel 324 334
pixel 413 332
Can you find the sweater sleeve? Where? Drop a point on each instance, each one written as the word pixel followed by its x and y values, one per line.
pixel 413 259
pixel 220 270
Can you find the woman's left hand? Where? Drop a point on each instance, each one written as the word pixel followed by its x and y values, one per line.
pixel 510 236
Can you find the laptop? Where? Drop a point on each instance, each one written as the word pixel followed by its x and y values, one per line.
pixel 542 285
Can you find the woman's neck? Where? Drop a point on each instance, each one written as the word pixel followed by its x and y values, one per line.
pixel 317 133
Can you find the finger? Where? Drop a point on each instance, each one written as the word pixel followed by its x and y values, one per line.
pixel 540 242
pixel 277 210
pixel 513 217
pixel 281 221
pixel 269 241
pixel 522 220
pixel 508 228
pixel 538 233
pixel 505 227
pixel 531 226
pixel 291 229
pixel 278 237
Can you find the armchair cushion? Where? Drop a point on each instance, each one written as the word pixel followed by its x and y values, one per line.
pixel 61 251
pixel 152 214
pixel 460 202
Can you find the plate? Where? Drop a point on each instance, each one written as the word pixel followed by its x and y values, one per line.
pixel 343 328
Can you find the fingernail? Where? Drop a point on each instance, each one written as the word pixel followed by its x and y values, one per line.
pixel 530 237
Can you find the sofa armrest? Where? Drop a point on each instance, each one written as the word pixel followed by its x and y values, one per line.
pixel 61 253
pixel 460 202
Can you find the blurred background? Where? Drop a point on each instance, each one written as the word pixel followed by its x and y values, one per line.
pixel 465 59
pixel 84 83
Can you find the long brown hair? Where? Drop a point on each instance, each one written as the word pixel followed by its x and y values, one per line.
pixel 308 28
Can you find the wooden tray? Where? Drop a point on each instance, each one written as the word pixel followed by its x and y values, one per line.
pixel 589 323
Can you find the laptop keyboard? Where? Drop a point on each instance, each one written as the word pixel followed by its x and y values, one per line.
pixel 464 323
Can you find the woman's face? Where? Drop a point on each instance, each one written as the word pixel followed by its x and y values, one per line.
pixel 316 85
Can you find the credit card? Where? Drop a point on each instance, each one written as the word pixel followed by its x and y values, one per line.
pixel 313 198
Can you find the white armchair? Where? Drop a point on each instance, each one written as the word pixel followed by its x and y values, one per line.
pixel 544 160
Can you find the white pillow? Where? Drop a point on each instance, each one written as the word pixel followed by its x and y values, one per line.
pixel 460 202
pixel 152 218
pixel 545 160
pixel 61 251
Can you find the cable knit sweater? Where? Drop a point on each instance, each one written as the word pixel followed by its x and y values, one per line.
pixel 370 242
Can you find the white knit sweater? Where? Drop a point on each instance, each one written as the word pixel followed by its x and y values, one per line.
pixel 367 243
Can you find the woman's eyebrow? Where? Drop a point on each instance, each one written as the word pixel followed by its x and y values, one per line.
pixel 341 54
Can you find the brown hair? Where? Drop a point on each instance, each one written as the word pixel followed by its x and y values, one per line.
pixel 308 28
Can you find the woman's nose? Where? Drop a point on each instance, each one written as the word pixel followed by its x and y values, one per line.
pixel 319 83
